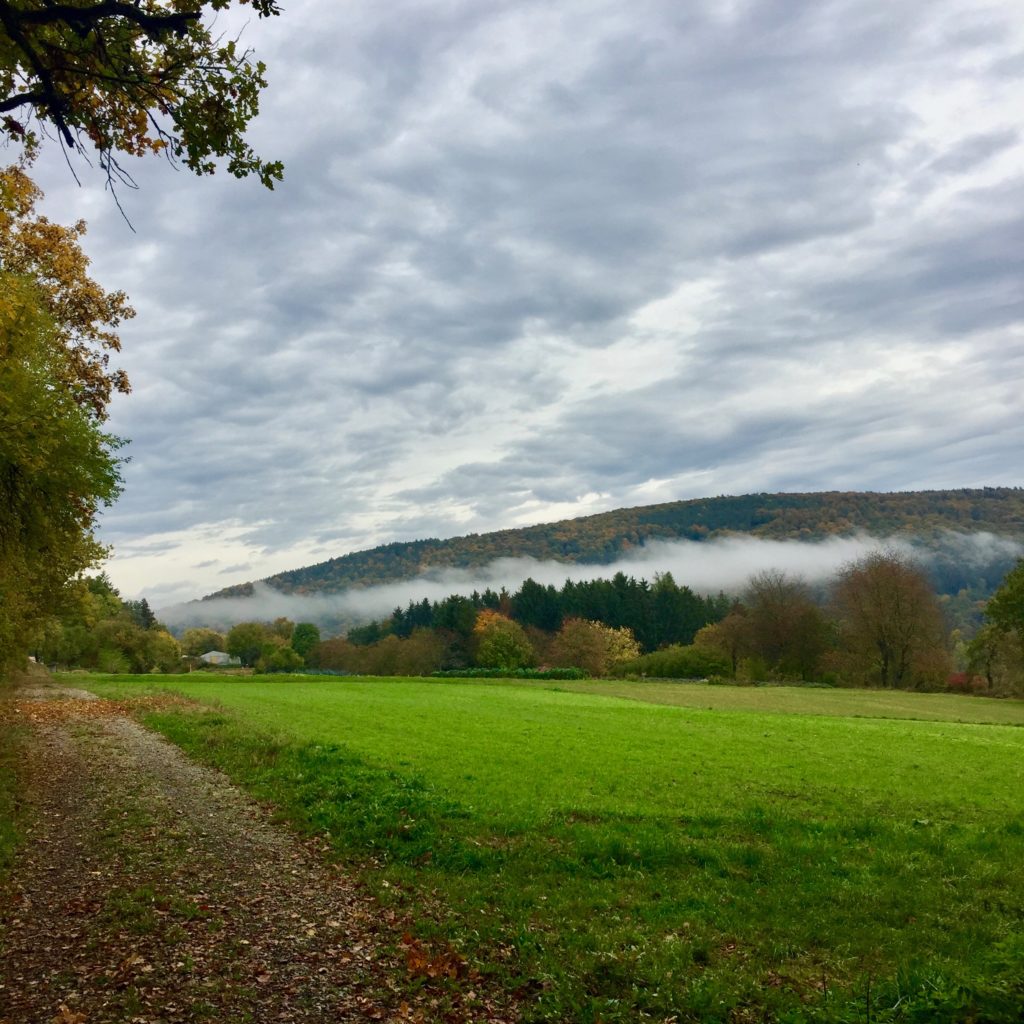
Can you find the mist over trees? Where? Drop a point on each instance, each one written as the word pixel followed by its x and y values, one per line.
pixel 877 623
pixel 944 524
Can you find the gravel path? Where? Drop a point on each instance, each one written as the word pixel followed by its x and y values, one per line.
pixel 149 889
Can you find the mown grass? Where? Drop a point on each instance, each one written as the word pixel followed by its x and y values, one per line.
pixel 810 700
pixel 613 860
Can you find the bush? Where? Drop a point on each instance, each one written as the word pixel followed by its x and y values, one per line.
pixel 678 662
pixel 280 659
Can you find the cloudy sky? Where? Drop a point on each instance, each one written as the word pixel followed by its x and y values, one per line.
pixel 536 260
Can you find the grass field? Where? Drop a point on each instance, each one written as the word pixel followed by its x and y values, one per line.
pixel 618 860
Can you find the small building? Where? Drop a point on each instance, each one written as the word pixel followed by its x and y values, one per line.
pixel 218 658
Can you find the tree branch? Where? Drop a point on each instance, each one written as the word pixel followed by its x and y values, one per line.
pixel 55 103
pixel 86 17
pixel 13 102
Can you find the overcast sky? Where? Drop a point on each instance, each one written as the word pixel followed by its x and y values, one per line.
pixel 537 260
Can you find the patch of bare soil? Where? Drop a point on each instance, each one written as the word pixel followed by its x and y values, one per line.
pixel 149 889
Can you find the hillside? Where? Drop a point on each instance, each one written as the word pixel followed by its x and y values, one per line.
pixel 603 538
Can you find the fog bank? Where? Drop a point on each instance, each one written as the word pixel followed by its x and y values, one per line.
pixel 704 566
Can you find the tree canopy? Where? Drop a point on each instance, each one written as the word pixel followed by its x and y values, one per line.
pixel 57 466
pixel 931 518
pixel 891 623
pixel 133 77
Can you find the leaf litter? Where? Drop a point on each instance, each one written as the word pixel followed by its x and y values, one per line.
pixel 149 889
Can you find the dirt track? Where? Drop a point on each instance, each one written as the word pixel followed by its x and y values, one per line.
pixel 151 890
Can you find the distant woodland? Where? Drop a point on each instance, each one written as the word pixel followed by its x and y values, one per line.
pixel 887 619
pixel 926 516
pixel 878 622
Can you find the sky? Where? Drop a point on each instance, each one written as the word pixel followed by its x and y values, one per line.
pixel 536 260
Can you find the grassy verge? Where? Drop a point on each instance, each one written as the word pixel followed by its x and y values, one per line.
pixel 12 739
pixel 618 861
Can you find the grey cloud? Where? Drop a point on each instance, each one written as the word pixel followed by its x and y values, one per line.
pixel 471 188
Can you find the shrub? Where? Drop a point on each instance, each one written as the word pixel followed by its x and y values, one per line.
pixel 678 662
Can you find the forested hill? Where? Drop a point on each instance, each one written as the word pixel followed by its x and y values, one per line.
pixel 603 538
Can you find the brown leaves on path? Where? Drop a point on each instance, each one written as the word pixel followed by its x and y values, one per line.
pixel 40 711
pixel 149 889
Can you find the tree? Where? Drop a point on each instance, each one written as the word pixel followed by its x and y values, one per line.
pixel 305 637
pixel 998 656
pixel 199 640
pixel 892 632
pixel 676 612
pixel 282 627
pixel 784 626
pixel 593 646
pixel 537 605
pixel 456 614
pixel 141 613
pixel 997 651
pixel 728 638
pixel 1005 609
pixel 163 651
pixel 132 78
pixel 279 659
pixel 501 643
pixel 57 466
pixel 247 640
pixel 57 469
pixel 84 316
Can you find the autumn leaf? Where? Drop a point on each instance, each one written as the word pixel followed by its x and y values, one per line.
pixel 68 1016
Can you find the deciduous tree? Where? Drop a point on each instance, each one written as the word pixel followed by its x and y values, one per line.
pixel 84 318
pixel 246 641
pixel 892 632
pixel 501 643
pixel 199 640
pixel 305 637
pixel 593 646
pixel 784 626
pixel 1005 609
pixel 728 638
pixel 133 78
pixel 57 466
pixel 57 469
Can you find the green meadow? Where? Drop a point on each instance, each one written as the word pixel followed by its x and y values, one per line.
pixel 644 851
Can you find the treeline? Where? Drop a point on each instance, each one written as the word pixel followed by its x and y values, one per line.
pixel 608 536
pixel 879 623
pixel 460 631
pixel 657 613
pixel 96 629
